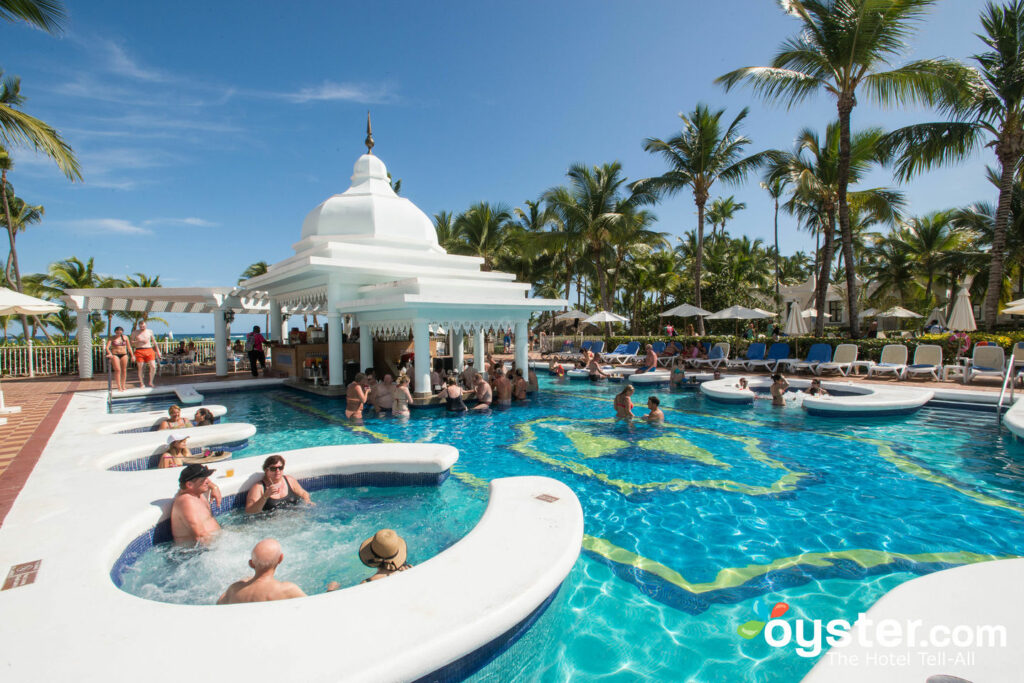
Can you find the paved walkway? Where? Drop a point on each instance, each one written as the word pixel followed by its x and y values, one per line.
pixel 23 438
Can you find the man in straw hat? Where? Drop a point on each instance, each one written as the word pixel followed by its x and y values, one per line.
pixel 191 519
pixel 386 551
pixel 262 587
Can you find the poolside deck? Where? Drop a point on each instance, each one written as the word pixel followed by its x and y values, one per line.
pixel 44 399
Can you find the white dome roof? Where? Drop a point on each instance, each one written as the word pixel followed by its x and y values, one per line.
pixel 370 210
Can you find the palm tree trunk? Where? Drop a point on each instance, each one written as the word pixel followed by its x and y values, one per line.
pixel 995 268
pixel 846 103
pixel 14 252
pixel 821 286
pixel 778 295
pixel 699 264
pixel 568 279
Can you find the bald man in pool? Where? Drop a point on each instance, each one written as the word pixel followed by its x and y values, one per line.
pixel 262 587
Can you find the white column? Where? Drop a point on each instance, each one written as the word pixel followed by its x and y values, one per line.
pixel 220 342
pixel 522 342
pixel 421 347
pixel 84 338
pixel 478 350
pixel 275 333
pixel 335 329
pixel 366 349
pixel 457 350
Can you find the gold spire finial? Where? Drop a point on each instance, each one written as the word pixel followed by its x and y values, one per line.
pixel 369 135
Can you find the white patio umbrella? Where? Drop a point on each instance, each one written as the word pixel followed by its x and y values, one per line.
pixel 569 316
pixel 1015 310
pixel 962 317
pixel 605 317
pixel 937 315
pixel 769 314
pixel 868 313
pixel 899 312
pixel 796 323
pixel 16 303
pixel 685 311
pixel 739 313
pixel 813 313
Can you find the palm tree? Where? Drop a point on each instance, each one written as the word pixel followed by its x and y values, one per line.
pixel 444 225
pixel 483 231
pixel 842 48
pixel 722 210
pixel 589 210
pixel 47 15
pixel 812 170
pixel 775 188
pixel 699 155
pixel 928 238
pixel 254 270
pixel 986 110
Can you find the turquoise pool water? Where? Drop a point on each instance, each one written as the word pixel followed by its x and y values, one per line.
pixel 694 527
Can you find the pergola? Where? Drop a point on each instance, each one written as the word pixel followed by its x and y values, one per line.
pixel 209 300
pixel 365 253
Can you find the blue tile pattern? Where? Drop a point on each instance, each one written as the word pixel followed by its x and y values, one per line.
pixel 469 664
pixel 161 533
pixel 150 462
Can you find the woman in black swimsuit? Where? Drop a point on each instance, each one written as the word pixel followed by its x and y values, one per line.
pixel 452 394
pixel 276 489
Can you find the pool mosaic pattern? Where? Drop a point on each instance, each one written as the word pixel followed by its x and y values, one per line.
pixel 693 524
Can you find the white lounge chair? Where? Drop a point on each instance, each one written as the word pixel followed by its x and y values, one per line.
pixel 719 355
pixel 893 359
pixel 842 361
pixel 987 361
pixel 927 361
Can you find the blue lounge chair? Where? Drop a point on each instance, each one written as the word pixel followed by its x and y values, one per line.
pixel 778 351
pixel 816 355
pixel 630 353
pixel 659 347
pixel 754 352
pixel 719 355
pixel 597 347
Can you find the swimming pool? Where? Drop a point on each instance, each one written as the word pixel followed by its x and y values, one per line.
pixel 696 528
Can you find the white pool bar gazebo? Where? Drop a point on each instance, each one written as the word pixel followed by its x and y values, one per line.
pixel 365 254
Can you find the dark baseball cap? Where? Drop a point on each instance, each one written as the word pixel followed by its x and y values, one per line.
pixel 194 471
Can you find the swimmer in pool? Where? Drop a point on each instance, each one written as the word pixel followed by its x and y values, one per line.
pixel 262 587
pixel 778 389
pixel 624 403
pixel 191 519
pixel 355 397
pixel 656 415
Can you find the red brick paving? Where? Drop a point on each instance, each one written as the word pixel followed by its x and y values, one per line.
pixel 26 434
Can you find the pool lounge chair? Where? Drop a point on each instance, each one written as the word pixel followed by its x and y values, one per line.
pixel 893 359
pixel 927 361
pixel 659 347
pixel 667 360
pixel 987 361
pixel 842 361
pixel 630 353
pixel 754 352
pixel 776 352
pixel 816 355
pixel 718 356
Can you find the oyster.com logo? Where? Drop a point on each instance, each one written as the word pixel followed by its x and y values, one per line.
pixel 753 628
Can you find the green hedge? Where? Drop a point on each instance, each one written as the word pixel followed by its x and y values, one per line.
pixel 870 349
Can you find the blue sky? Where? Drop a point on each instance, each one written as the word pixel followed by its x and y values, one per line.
pixel 207 131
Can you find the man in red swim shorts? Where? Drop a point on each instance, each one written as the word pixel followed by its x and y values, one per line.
pixel 147 353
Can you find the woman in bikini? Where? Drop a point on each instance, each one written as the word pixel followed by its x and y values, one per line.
pixel 176 451
pixel 174 420
pixel 519 386
pixel 624 403
pixel 355 397
pixel 402 398
pixel 119 348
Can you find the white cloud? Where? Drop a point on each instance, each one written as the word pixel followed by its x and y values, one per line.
pixel 119 62
pixel 192 220
pixel 117 226
pixel 351 92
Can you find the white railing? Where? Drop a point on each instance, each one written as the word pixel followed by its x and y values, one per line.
pixel 62 359
pixel 1002 392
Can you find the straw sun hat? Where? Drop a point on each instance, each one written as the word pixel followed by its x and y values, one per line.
pixel 383 548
